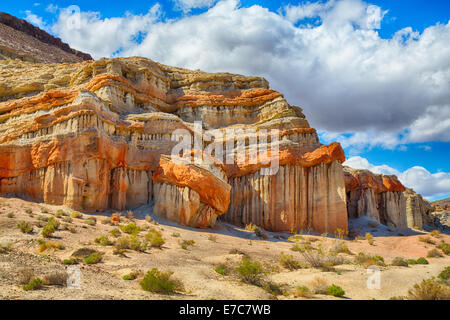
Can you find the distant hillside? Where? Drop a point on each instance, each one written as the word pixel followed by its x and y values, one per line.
pixel 21 40
pixel 444 203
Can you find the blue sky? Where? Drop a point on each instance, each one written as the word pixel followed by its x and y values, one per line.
pixel 374 75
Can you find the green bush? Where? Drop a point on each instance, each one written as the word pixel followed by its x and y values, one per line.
pixel 55 222
pixel 93 258
pixel 186 243
pixel 103 241
pixel 129 277
pixel 90 221
pixel 155 238
pixel 34 284
pixel 137 245
pixel 70 261
pixel 250 271
pixel 159 282
pixel 115 232
pixel 48 230
pixel 25 227
pixel 222 269
pixel 445 247
pixel 131 228
pixel 445 274
pixel 335 290
pixel 10 215
pixel 422 261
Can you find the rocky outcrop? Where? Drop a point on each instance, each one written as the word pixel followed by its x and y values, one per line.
pixel 100 134
pixel 377 196
pixel 418 210
pixel 20 39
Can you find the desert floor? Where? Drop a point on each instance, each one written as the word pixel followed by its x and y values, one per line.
pixel 195 267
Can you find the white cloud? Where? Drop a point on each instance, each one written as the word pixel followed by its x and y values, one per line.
pixel 187 5
pixel 52 8
pixel 430 185
pixel 35 20
pixel 384 92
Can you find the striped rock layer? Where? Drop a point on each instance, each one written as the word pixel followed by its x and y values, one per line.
pixel 98 135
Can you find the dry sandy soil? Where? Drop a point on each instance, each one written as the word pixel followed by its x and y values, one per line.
pixel 195 267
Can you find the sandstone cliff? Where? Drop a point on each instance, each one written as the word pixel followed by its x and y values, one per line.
pixel 377 196
pixel 99 134
pixel 418 210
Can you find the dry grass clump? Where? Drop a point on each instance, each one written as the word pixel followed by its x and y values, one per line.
pixel 25 227
pixel 56 278
pixel 103 241
pixel 430 289
pixel 47 245
pixel 367 260
pixel 76 215
pixel 155 238
pixel 340 247
pixel 212 238
pixel 427 239
pixel 185 244
pixel 303 292
pixel 130 215
pixel 24 275
pixel 288 262
pixel 434 253
pixel 319 285
pixel 399 262
pixel 115 232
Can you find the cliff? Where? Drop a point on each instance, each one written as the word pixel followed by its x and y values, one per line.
pixel 377 196
pixel 100 134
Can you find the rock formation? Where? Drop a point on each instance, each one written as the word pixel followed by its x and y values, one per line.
pixel 377 196
pixel 100 134
pixel 418 210
pixel 21 40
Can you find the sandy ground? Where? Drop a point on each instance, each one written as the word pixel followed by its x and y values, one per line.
pixel 195 267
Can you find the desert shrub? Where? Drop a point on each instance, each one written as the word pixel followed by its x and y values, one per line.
pixel 340 233
pixel 426 239
pixel 76 215
pixel 445 274
pixel 34 284
pixel 131 228
pixel 369 238
pixel 222 269
pixel 83 252
pixel 55 222
pixel 435 233
pixel 67 219
pixel 176 235
pixel 185 244
pixel 400 262
pixel 155 238
pixel 340 247
pixel 250 227
pixel 445 247
pixel 123 243
pixel 103 241
pixel 94 258
pixel 128 277
pixel 160 282
pixel 273 288
pixel 368 260
pixel 319 285
pixel 115 233
pixel 429 289
pixel 48 230
pixel 422 261
pixel 303 292
pixel 137 245
pixel 25 275
pixel 148 218
pixel 72 229
pixel 10 215
pixel 71 261
pixel 250 271
pixel 46 245
pixel 42 218
pixel 288 262
pixel 411 261
pixel 237 251
pixel 44 210
pixel 55 278
pixel 434 253
pixel 335 291
pixel 28 211
pixel 106 221
pixel 25 227
pixel 130 215
pixel 90 221
pixel 5 248
pixel 212 238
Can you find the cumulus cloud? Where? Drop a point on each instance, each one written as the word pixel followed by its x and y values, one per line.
pixel 430 185
pixel 35 20
pixel 188 5
pixel 345 76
